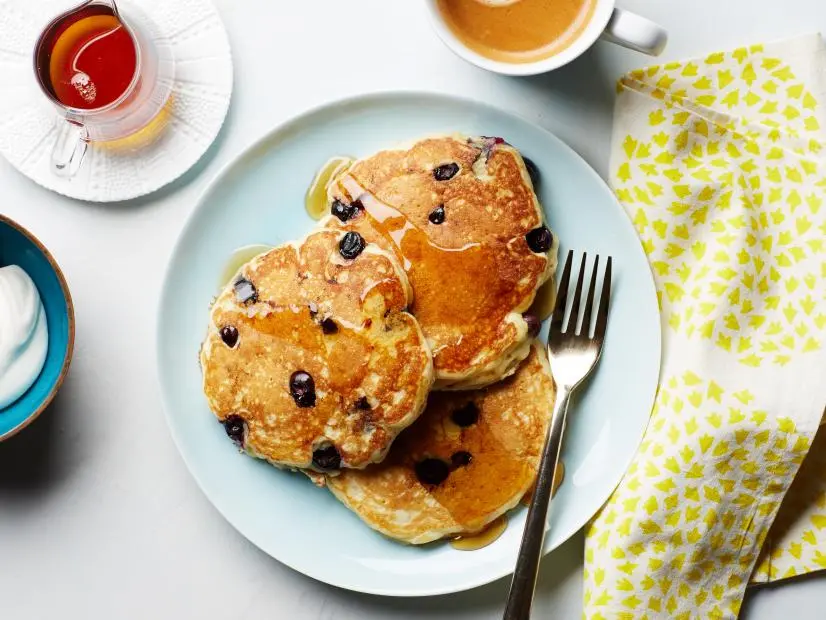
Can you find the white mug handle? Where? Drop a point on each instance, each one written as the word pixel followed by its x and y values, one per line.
pixel 635 32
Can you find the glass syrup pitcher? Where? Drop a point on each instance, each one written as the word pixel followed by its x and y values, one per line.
pixel 108 73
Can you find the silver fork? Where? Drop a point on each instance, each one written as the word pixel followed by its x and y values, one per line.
pixel 573 356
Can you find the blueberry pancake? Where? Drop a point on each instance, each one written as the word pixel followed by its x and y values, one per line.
pixel 469 458
pixel 311 359
pixel 462 217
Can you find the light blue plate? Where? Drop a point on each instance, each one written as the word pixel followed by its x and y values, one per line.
pixel 20 247
pixel 259 198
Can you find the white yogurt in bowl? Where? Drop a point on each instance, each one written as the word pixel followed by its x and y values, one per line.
pixel 24 337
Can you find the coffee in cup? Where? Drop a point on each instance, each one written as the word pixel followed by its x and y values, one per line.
pixel 517 31
pixel 526 37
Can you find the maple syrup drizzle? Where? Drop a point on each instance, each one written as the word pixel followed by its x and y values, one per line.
pixel 239 258
pixel 433 268
pixel 332 371
pixel 559 476
pixel 482 539
pixel 316 199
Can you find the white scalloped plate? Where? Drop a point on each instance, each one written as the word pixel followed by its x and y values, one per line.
pixel 259 199
pixel 197 108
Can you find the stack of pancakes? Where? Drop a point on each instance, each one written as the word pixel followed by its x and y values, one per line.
pixel 405 309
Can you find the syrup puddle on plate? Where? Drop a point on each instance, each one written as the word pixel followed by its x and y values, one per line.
pixel 316 199
pixel 481 539
pixel 545 300
pixel 238 258
pixel 559 476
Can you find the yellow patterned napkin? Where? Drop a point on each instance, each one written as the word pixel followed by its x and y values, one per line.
pixel 796 544
pixel 720 163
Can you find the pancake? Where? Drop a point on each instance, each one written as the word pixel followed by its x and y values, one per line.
pixel 483 445
pixel 311 359
pixel 461 216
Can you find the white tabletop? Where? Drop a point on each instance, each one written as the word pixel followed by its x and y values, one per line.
pixel 99 517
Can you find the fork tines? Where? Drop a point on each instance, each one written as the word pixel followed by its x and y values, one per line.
pixel 558 324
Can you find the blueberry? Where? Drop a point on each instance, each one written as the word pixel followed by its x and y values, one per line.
pixel 342 210
pixel 234 427
pixel 245 292
pixel 328 326
pixel 432 471
pixel 327 458
pixel 461 458
pixel 437 216
pixel 445 172
pixel 302 389
pixel 540 239
pixel 351 245
pixel 229 334
pixel 534 324
pixel 466 415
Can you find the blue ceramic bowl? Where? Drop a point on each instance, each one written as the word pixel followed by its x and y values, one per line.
pixel 20 247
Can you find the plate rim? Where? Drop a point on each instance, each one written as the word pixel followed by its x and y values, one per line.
pixel 251 148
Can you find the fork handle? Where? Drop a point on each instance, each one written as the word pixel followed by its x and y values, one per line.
pixel 523 584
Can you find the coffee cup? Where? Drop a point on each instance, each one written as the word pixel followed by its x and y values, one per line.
pixel 598 19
